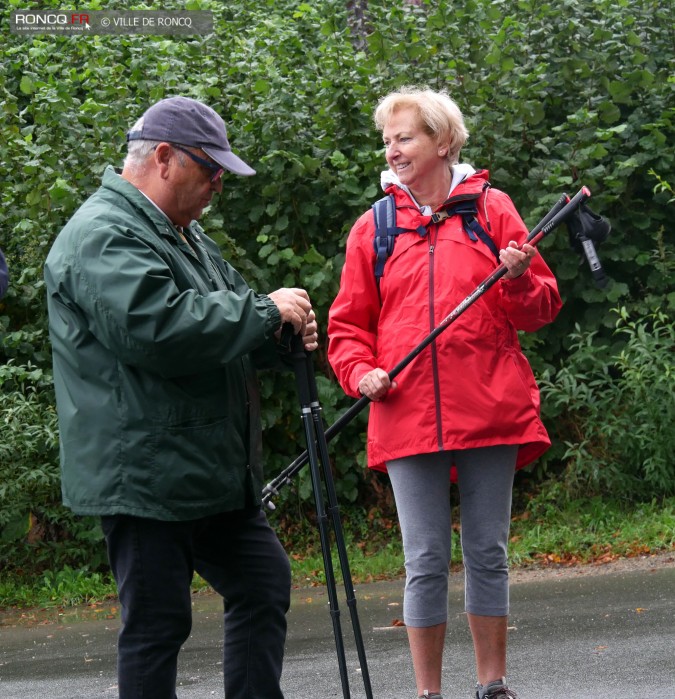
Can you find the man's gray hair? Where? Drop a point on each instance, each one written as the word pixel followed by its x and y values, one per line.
pixel 139 150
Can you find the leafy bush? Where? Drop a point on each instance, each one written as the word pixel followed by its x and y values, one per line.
pixel 36 531
pixel 616 418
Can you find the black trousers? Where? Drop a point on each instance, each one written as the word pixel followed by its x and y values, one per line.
pixel 153 562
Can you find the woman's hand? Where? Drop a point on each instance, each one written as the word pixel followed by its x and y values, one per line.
pixel 516 261
pixel 376 384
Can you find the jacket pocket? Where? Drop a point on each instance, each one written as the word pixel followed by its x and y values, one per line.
pixel 197 459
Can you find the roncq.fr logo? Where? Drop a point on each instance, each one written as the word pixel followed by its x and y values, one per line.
pixel 50 18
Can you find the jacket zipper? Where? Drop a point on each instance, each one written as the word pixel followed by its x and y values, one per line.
pixel 214 275
pixel 434 353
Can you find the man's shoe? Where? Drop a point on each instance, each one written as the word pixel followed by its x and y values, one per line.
pixel 495 690
pixel 427 695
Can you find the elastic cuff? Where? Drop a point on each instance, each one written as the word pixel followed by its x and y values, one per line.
pixel 358 372
pixel 273 322
pixel 518 283
pixel 426 622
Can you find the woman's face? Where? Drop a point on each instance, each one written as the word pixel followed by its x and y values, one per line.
pixel 415 157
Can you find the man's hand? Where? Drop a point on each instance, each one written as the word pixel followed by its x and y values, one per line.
pixel 311 336
pixel 294 307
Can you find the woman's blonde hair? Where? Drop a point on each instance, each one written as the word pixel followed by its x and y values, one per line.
pixel 439 114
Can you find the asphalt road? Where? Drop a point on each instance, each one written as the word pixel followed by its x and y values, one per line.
pixel 584 634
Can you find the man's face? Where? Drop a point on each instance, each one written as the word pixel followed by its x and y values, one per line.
pixel 192 184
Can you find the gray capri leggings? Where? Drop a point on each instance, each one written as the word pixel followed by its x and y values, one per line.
pixel 421 487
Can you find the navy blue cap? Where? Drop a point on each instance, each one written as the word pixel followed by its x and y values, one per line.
pixel 186 122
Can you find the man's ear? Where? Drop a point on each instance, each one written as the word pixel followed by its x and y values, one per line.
pixel 163 155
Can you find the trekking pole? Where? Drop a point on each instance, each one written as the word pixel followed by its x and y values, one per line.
pixel 560 211
pixel 317 448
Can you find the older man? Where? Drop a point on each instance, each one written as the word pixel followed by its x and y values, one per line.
pixel 155 341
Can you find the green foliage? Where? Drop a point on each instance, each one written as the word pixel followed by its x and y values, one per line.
pixel 69 587
pixel 61 588
pixel 615 416
pixel 36 531
pixel 555 95
pixel 554 530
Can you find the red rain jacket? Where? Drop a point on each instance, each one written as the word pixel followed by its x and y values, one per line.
pixel 472 387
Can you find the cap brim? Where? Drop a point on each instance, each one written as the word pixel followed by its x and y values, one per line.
pixel 228 160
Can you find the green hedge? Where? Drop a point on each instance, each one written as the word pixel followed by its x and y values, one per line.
pixel 556 95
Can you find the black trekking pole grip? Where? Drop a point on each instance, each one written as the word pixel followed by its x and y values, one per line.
pixel 560 211
pixel 288 338
pixel 554 218
pixel 555 209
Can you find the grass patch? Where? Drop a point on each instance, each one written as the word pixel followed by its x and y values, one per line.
pixel 384 564
pixel 64 588
pixel 594 530
pixel 545 531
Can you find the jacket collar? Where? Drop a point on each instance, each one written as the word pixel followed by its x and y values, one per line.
pixel 409 212
pixel 462 174
pixel 112 180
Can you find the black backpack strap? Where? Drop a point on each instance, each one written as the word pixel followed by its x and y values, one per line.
pixel 475 230
pixel 386 230
pixel 384 212
pixel 467 208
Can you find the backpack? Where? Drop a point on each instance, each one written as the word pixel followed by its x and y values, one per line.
pixel 386 230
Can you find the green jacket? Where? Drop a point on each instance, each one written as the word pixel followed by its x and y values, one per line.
pixel 154 349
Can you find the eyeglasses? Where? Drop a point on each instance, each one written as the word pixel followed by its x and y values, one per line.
pixel 216 170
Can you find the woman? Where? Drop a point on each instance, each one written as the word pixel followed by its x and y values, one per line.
pixel 468 406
